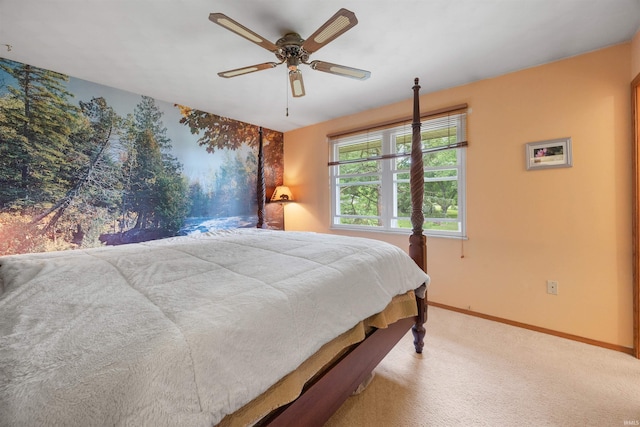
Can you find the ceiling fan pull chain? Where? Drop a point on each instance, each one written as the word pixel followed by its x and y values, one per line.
pixel 286 94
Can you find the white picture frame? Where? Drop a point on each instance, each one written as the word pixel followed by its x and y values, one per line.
pixel 552 153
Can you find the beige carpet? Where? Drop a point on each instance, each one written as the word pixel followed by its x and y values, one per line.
pixel 476 372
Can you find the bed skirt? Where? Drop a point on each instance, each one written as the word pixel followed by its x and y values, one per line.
pixel 289 388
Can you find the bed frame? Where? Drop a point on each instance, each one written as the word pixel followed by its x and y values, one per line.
pixel 320 399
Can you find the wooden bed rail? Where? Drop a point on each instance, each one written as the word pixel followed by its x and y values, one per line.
pixel 324 396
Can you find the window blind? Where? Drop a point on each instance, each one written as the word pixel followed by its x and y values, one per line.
pixel 434 125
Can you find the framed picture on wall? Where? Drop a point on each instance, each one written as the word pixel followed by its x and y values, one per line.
pixel 553 153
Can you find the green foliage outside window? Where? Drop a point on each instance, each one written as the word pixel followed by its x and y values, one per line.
pixel 371 179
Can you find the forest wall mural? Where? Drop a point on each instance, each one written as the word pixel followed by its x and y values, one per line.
pixel 85 165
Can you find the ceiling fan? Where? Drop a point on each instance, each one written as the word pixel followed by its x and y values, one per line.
pixel 294 50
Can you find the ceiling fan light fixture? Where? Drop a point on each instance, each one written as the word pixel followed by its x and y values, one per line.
pixel 292 63
pixel 297 85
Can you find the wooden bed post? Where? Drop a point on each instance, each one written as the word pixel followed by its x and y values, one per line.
pixel 417 240
pixel 261 187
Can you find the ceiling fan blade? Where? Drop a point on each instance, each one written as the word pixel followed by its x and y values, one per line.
pixel 231 25
pixel 297 85
pixel 247 70
pixel 340 70
pixel 339 23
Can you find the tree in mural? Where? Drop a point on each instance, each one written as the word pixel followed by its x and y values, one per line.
pixel 36 121
pixel 217 132
pixel 234 190
pixel 73 170
pixel 47 158
pixel 220 133
pixel 95 180
pixel 10 152
pixel 200 200
pixel 154 189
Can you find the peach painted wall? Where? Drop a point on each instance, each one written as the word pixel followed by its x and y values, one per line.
pixel 635 55
pixel 572 225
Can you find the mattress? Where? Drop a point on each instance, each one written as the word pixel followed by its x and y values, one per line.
pixel 180 331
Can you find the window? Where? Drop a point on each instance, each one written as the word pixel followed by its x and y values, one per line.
pixel 369 172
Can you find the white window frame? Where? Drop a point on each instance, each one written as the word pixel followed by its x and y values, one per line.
pixel 387 181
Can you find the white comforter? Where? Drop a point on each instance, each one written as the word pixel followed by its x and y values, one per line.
pixel 180 331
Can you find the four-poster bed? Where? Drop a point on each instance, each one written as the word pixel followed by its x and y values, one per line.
pixel 324 396
pixel 181 330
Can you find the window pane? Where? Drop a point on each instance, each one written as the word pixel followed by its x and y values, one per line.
pixel 439 138
pixel 403 163
pixel 435 175
pixel 360 150
pixel 430 139
pixel 403 195
pixel 403 143
pixel 441 199
pixel 360 167
pixel 440 196
pixel 359 179
pixel 432 207
pixel 441 226
pixel 361 200
pixel 441 158
pixel 403 146
pixel 370 222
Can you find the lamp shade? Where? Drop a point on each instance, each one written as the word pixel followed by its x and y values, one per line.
pixel 282 194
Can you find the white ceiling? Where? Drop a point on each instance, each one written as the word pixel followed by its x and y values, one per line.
pixel 168 49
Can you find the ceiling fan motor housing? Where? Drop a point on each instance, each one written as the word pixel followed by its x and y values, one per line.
pixel 290 50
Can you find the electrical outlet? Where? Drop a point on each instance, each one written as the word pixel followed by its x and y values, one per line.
pixel 552 287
